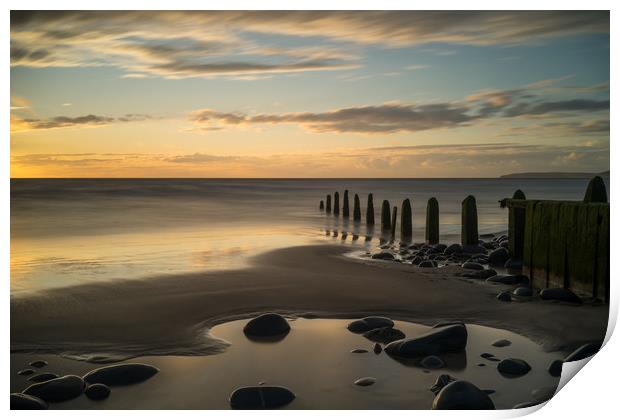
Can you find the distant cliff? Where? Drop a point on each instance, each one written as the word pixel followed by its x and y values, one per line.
pixel 555 175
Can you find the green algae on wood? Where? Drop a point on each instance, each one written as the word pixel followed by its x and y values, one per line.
pixel 406 224
pixel 432 222
pixel 469 221
pixel 596 191
pixel 345 205
pixel 385 216
pixel 357 212
pixel 336 203
pixel 370 211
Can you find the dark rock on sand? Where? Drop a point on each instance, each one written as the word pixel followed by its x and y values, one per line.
pixel 509 279
pixel 97 392
pixel 472 266
pixel 367 381
pixel 26 372
pixel 523 291
pixel 377 348
pixel 38 364
pixel 451 338
pixel 42 377
pixel 513 367
pixel 488 391
pixel 474 249
pixel 123 374
pixel 480 274
pixel 583 352
pixel 504 297
pixel 453 249
pixel 59 389
pixel 499 256
pixel 501 343
pixel 383 256
pixel 441 382
pixel 384 335
pixel 489 357
pixel 359 351
pixel 462 395
pixel 27 402
pixel 428 264
pixel 267 325
pixel 432 362
pixel 260 397
pixel 561 294
pixel 369 323
pixel 555 368
pixel 440 247
pixel 513 264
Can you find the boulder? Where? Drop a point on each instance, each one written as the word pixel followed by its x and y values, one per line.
pixel 474 249
pixel 369 323
pixel 462 395
pixel 472 266
pixel 26 372
pixel 27 402
pixel 383 256
pixel 441 382
pixel 504 244
pixel 260 397
pixel 501 343
pixel 440 247
pixel 523 291
pixel 513 264
pixel 583 352
pixel 509 279
pixel 451 338
pixel 56 390
pixel 480 274
pixel 432 362
pixel 97 392
pixel 267 325
pixel 561 294
pixel 504 297
pixel 38 364
pixel 498 257
pixel 384 335
pixel 513 367
pixel 555 368
pixel 42 377
pixel 122 374
pixel 367 381
pixel 453 249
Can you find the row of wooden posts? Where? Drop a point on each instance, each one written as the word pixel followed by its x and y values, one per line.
pixel 469 217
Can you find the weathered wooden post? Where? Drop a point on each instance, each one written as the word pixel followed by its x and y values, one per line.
pixel 406 224
pixel 596 192
pixel 321 206
pixel 469 221
pixel 516 228
pixel 385 216
pixel 394 215
pixel 357 212
pixel 345 205
pixel 370 211
pixel 432 222
pixel 328 203
pixel 336 204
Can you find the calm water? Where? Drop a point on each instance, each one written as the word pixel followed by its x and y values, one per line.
pixel 67 232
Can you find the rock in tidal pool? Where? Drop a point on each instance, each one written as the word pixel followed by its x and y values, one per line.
pixel 26 372
pixel 367 381
pixel 583 352
pixel 555 368
pixel 513 367
pixel 260 397
pixel 42 377
pixel 267 325
pixel 123 374
pixel 462 395
pixel 56 390
pixel 472 266
pixel 504 297
pixel 97 391
pixel 501 343
pixel 387 256
pixel 432 362
pixel 369 323
pixel 27 402
pixel 451 338
pixel 441 382
pixel 523 291
pixel 38 364
pixel 509 279
pixel 561 294
pixel 384 335
pixel 498 257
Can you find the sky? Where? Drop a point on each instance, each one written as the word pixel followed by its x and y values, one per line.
pixel 308 94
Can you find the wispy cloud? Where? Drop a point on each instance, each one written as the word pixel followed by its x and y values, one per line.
pixel 19 124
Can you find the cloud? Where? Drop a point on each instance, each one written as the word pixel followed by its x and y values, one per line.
pixel 19 124
pixel 552 107
pixel 179 44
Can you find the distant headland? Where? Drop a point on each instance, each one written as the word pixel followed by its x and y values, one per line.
pixel 555 174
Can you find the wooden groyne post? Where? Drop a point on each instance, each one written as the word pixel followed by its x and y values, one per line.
pixel 516 228
pixel 432 222
pixel 469 221
pixel 357 212
pixel 596 191
pixel 328 204
pixel 393 226
pixel 345 205
pixel 406 223
pixel 336 204
pixel 385 216
pixel 370 211
pixel 321 205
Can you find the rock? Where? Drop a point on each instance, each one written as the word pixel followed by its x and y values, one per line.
pixel 504 244
pixel 544 394
pixel 377 348
pixel 369 323
pixel 432 362
pixel 122 374
pixel 27 402
pixel 453 249
pixel 384 335
pixel 440 247
pixel 472 266
pixel 97 392
pixel 383 256
pixel 474 249
pixel 498 257
pixel 428 264
pixel 583 352
pixel 359 351
pixel 561 294
pixel 416 260
pixel 480 274
pixel 501 343
pixel 267 325
pixel 441 382
pixel 504 297
pixel 555 368
pixel 481 364
pixel 451 338
pixel 523 291
pixel 509 279
pixel 525 405
pixel 38 364
pixel 26 372
pixel 488 391
pixel 513 367
pixel 260 397
pixel 489 357
pixel 462 395
pixel 59 389
pixel 513 264
pixel 42 377
pixel 367 381
pixel 446 323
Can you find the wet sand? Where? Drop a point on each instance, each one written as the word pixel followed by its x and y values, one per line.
pixel 171 315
